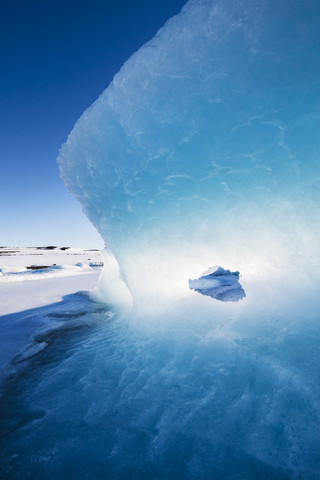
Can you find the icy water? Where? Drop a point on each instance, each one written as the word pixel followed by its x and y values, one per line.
pixel 230 395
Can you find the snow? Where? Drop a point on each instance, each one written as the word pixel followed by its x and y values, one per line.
pixel 21 289
pixel 21 257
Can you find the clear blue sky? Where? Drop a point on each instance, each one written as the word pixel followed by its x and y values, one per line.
pixel 56 59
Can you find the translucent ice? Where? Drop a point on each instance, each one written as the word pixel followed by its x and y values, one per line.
pixel 204 150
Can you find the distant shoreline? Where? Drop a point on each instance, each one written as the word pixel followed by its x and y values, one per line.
pixel 31 277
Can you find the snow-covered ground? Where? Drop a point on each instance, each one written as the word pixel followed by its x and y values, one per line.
pixel 33 277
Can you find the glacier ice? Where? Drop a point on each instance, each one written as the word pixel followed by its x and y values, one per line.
pixel 204 149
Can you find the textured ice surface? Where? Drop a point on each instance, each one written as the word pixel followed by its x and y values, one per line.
pixel 231 397
pixel 205 148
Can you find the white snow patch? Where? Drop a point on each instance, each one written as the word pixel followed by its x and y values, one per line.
pixel 22 289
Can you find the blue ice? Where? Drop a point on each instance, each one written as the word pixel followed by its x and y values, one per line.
pixel 204 150
pixel 228 397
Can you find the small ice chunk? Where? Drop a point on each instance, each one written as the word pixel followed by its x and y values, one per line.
pixel 220 284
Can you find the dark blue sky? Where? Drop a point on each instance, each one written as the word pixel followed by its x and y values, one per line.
pixel 56 58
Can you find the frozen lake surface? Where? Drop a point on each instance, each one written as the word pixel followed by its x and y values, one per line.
pixel 230 394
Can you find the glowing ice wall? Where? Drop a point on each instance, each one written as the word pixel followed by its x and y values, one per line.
pixel 204 149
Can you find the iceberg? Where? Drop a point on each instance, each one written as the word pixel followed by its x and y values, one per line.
pixel 204 149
